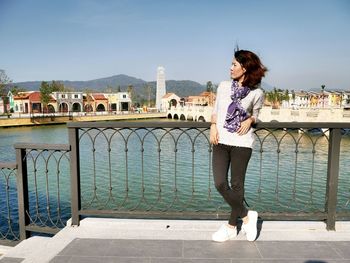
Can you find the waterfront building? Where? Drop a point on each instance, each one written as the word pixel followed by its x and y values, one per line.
pixel 11 101
pixel 119 101
pixel 301 99
pixel 161 89
pixel 95 102
pixel 30 102
pixel 69 101
pixel 170 100
pixel 335 99
pixel 209 97
pixel 2 106
pixel 204 99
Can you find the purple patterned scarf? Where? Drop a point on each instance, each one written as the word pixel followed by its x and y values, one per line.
pixel 235 112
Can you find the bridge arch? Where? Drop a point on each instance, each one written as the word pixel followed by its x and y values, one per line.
pixel 190 117
pixel 201 118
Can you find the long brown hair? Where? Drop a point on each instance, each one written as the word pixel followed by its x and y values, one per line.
pixel 255 70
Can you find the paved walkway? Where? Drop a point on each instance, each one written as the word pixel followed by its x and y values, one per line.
pixel 202 251
pixel 117 240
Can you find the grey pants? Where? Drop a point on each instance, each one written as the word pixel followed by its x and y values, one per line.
pixel 238 158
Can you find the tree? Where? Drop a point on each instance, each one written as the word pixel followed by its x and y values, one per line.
pixel 45 93
pixel 286 95
pixel 57 86
pixel 210 87
pixel 293 95
pixel 131 92
pixel 88 93
pixel 275 97
pixel 15 90
pixel 4 82
pixel 322 96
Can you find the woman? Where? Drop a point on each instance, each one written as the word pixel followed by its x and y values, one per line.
pixel 236 108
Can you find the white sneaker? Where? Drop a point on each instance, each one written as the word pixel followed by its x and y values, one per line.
pixel 251 229
pixel 224 233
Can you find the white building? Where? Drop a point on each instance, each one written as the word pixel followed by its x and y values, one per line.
pixel 2 105
pixel 170 100
pixel 161 89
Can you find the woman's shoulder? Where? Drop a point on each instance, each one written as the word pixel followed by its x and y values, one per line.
pixel 257 92
pixel 225 83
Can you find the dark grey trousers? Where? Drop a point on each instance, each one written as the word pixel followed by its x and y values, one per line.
pixel 238 158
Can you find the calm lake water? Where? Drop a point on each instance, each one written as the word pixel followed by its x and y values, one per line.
pixel 175 174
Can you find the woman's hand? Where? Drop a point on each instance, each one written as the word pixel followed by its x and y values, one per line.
pixel 214 135
pixel 245 126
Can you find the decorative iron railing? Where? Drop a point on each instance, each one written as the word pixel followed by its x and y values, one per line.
pixel 42 178
pixel 163 170
pixel 9 229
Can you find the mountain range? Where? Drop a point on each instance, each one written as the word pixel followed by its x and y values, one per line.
pixel 182 88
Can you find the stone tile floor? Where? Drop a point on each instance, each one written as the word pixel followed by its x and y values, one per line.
pixel 186 251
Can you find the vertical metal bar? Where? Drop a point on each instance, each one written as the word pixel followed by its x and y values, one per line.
pixel 22 193
pixel 73 134
pixel 332 177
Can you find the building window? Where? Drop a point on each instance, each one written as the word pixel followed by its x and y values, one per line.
pixel 63 96
pixel 76 96
pixel 124 96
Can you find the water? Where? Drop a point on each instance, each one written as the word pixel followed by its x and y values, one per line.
pixel 287 173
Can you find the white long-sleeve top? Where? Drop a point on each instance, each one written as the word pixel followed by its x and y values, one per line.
pixel 252 103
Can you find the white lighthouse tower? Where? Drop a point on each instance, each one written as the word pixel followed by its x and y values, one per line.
pixel 161 89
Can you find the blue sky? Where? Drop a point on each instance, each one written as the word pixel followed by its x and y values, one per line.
pixel 304 43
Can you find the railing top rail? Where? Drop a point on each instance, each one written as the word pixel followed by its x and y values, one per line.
pixel 138 124
pixel 43 146
pixel 8 165
pixel 303 125
pixel 187 124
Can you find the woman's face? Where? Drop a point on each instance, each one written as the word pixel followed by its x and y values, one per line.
pixel 237 71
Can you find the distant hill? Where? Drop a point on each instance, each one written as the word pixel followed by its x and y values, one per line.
pixel 96 84
pixel 182 88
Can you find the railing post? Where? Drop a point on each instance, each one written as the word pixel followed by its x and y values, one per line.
pixel 75 175
pixel 22 193
pixel 332 177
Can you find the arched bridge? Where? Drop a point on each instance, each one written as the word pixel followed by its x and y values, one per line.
pixel 193 113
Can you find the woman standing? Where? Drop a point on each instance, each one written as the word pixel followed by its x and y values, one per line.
pixel 236 108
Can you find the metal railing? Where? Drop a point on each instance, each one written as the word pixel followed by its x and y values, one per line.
pixel 9 228
pixel 163 170
pixel 41 181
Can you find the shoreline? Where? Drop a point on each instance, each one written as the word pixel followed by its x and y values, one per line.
pixel 53 120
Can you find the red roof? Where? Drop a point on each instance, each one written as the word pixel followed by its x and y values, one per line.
pixel 21 96
pixel 33 96
pixel 99 96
